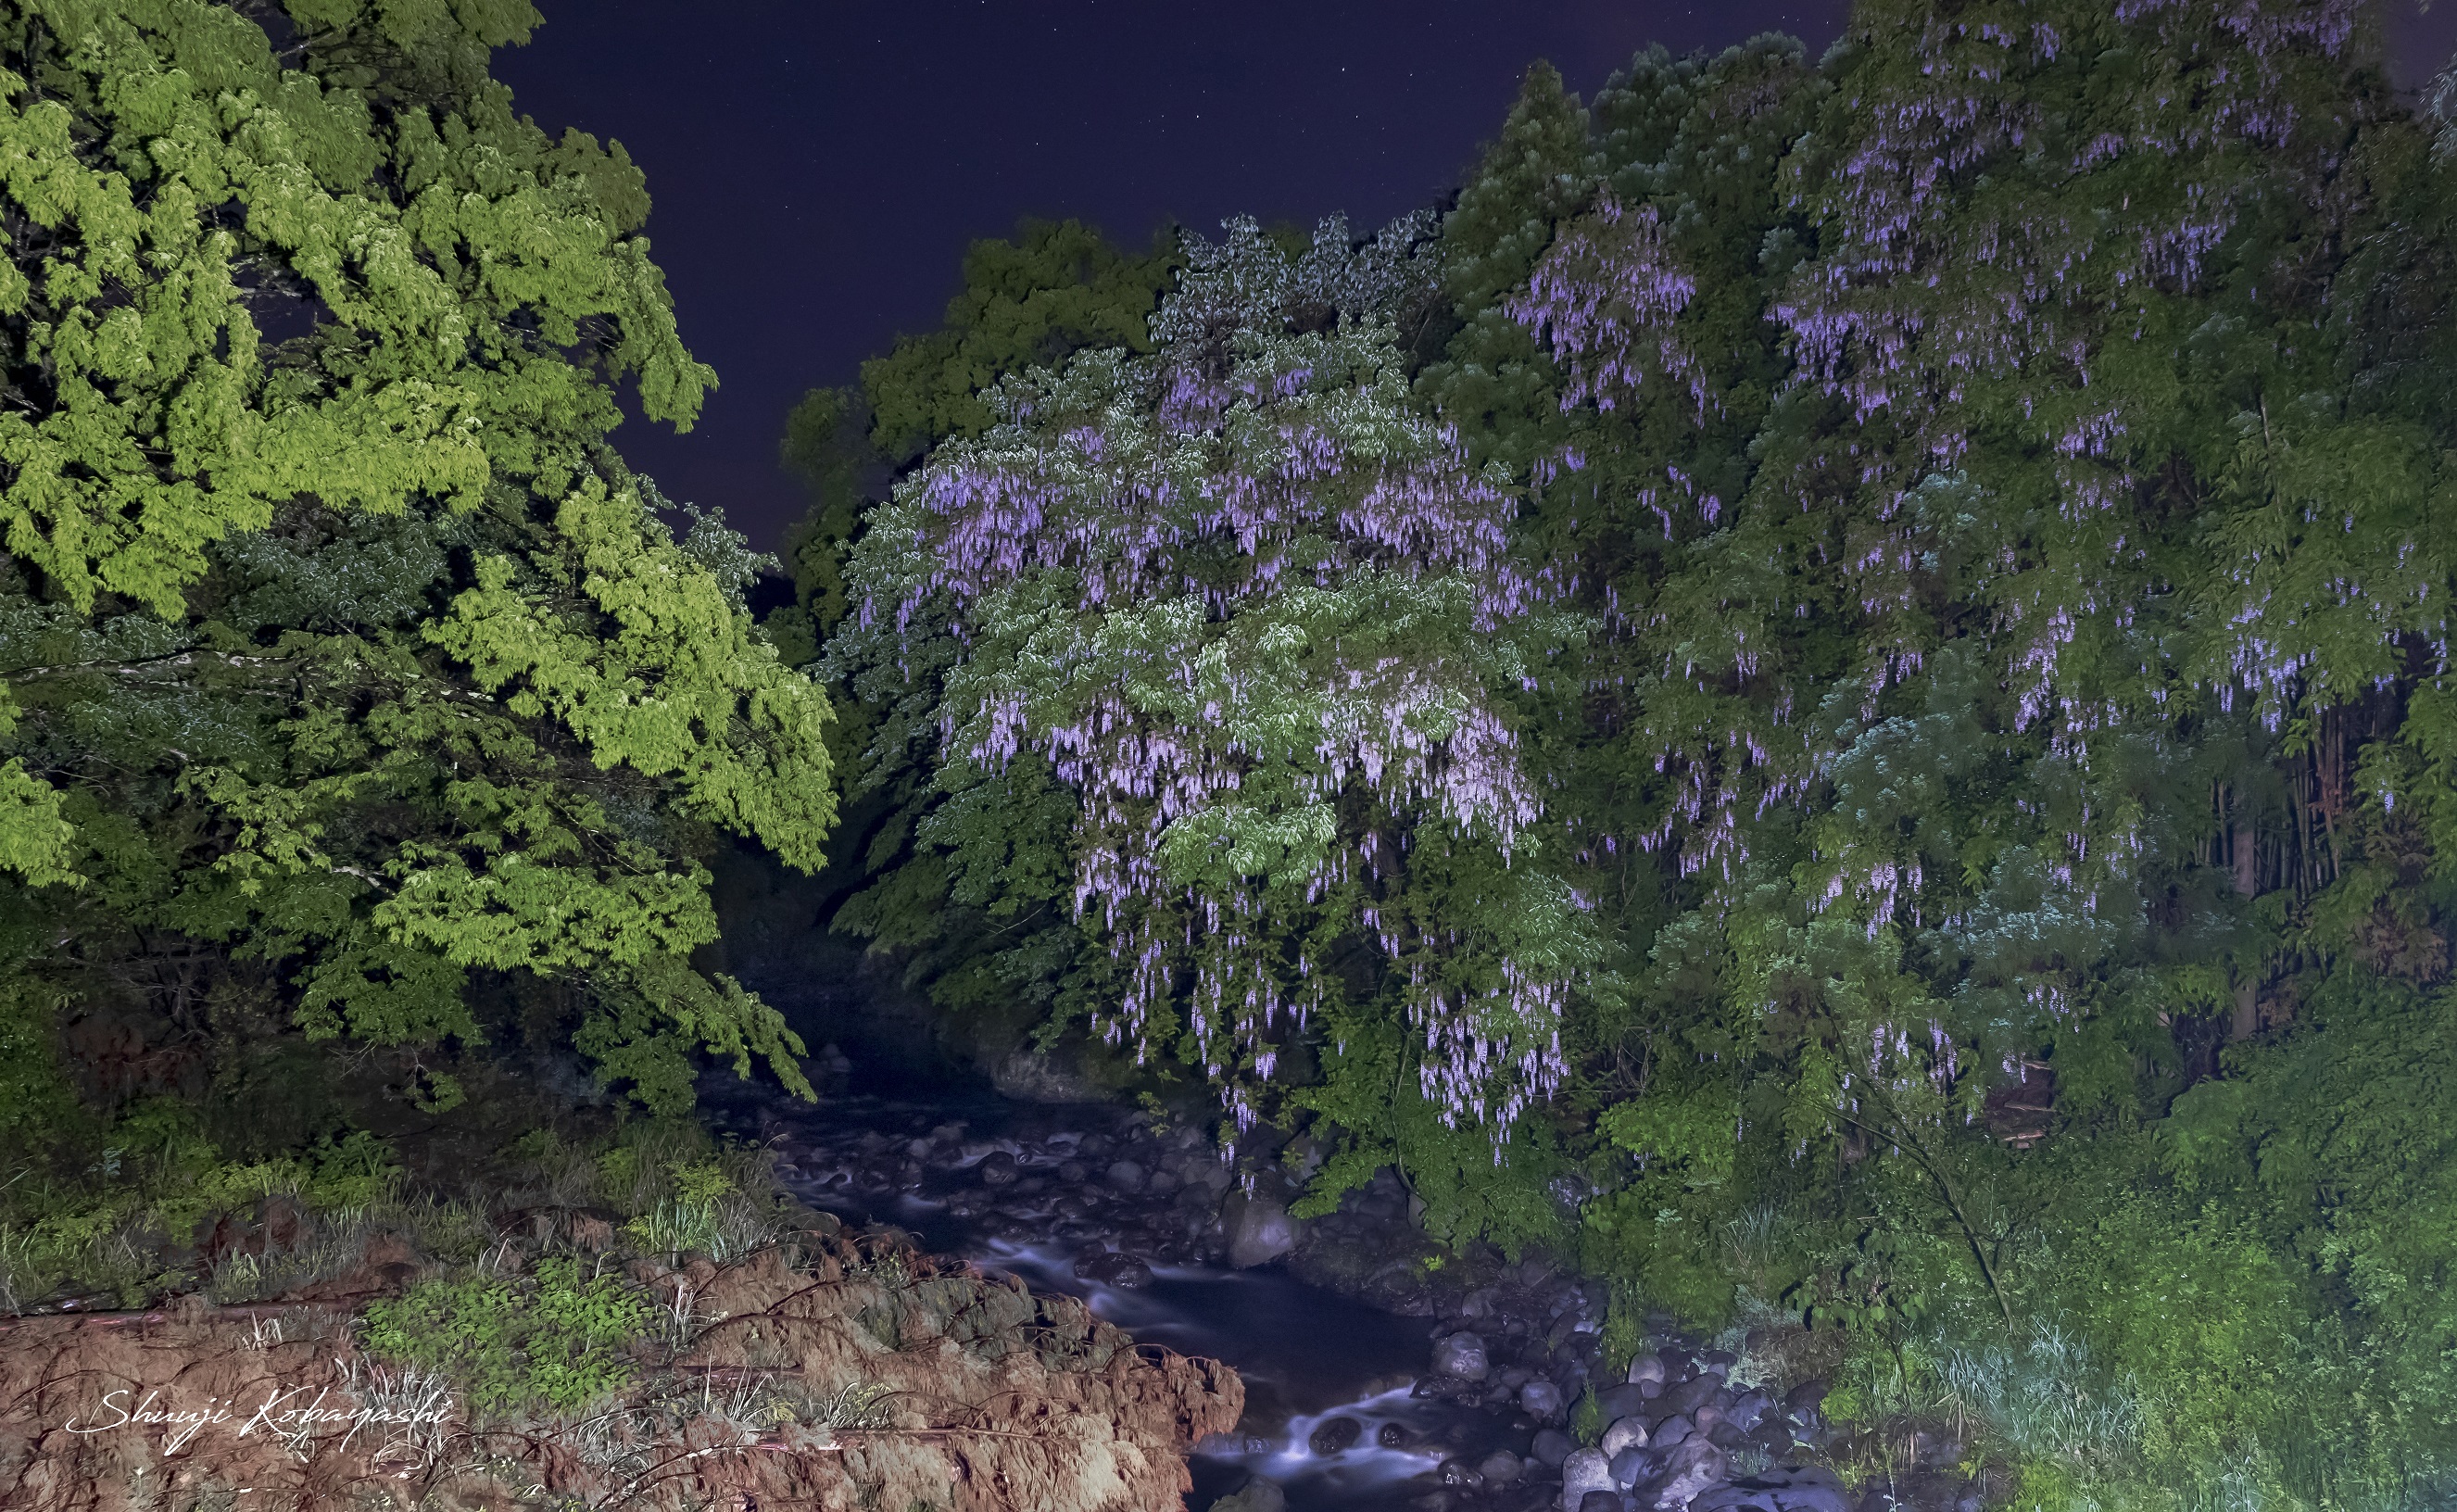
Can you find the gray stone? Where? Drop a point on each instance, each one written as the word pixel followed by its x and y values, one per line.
pixel 1462 1354
pixel 1582 1471
pixel 1630 1466
pixel 1811 1496
pixel 1669 1432
pixel 1646 1367
pixel 1541 1399
pixel 998 1168
pixel 1030 1077
pixel 1552 1446
pixel 1736 1498
pixel 1259 1230
pixel 1803 1401
pixel 1626 1433
pixel 1599 1502
pixel 1501 1467
pixel 1693 1467
pixel 1749 1410
pixel 1127 1176
pixel 1257 1495
pixel 1620 1401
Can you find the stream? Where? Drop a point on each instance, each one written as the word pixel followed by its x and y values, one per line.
pixel 1380 1372
pixel 1329 1417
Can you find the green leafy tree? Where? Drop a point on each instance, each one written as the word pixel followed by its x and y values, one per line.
pixel 346 663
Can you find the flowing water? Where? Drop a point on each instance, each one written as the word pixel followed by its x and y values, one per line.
pixel 1309 1357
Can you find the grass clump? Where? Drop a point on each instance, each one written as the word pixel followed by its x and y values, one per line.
pixel 553 1337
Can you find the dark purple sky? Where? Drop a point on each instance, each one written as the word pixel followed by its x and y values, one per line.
pixel 820 166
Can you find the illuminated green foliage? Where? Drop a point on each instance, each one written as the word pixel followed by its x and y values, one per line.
pixel 346 663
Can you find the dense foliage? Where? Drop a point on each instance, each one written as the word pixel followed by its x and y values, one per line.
pixel 355 688
pixel 1942 710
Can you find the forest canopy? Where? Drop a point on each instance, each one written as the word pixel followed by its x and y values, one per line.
pixel 1826 691
pixel 1941 714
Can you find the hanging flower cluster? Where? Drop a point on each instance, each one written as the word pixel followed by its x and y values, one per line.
pixel 1256 612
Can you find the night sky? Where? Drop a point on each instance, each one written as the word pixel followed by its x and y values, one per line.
pixel 818 168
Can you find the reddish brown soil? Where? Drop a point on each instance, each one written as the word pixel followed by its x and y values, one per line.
pixel 1002 1401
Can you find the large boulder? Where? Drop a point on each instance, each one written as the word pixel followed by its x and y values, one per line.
pixel 1259 1231
pixel 1585 1470
pixel 1462 1354
pixel 1646 1368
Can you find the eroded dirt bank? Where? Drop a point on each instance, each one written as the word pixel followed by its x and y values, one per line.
pixel 850 1374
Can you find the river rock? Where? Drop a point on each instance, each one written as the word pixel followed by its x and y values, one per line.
pixel 1599 1502
pixel 1460 1355
pixel 1631 1466
pixel 1257 1495
pixel 1110 1267
pixel 1626 1433
pixel 1334 1436
pixel 1811 1496
pixel 1669 1432
pixel 998 1168
pixel 1583 1470
pixel 1501 1467
pixel 1028 1076
pixel 1459 1472
pixel 1749 1410
pixel 1646 1368
pixel 1552 1447
pixel 1803 1403
pixel 1541 1399
pixel 1259 1230
pixel 1620 1401
pixel 1750 1497
pixel 1125 1177
pixel 1694 1466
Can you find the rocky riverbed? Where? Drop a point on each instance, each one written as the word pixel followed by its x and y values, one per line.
pixel 1379 1370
